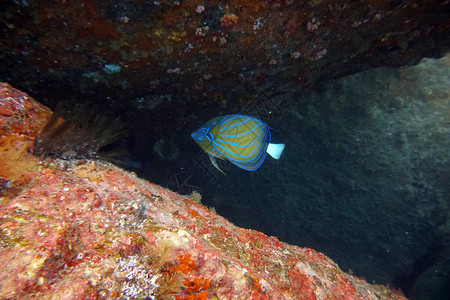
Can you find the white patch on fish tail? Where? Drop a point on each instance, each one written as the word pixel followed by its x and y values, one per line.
pixel 275 150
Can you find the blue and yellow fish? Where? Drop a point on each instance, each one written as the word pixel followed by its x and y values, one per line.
pixel 242 140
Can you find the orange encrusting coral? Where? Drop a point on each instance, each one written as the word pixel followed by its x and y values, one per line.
pixel 197 285
pixel 185 264
pixel 228 20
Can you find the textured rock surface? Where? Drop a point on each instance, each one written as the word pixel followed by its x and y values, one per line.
pixel 86 229
pixel 179 48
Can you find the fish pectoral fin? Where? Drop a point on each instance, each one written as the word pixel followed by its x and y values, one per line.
pixel 214 163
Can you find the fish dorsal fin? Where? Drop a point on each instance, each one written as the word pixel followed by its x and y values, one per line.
pixel 214 163
pixel 275 150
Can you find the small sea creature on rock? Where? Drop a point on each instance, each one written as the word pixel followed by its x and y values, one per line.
pixel 228 20
pixel 240 139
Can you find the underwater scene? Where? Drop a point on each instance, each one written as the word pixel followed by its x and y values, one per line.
pixel 225 149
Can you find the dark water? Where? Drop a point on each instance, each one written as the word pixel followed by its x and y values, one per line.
pixel 364 177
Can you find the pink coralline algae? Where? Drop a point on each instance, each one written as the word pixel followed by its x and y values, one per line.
pixel 86 229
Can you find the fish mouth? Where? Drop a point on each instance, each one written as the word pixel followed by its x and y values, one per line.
pixel 197 135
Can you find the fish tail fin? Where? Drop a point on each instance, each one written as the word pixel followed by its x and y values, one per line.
pixel 275 150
